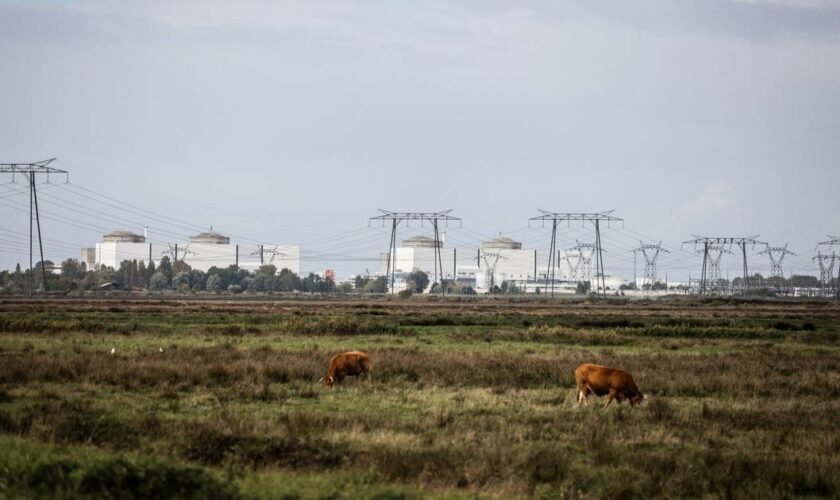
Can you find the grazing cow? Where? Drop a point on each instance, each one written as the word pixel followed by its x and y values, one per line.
pixel 349 363
pixel 599 380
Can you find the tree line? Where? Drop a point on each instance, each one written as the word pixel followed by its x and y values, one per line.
pixel 73 275
pixel 166 275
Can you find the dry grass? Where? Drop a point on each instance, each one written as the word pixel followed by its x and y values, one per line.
pixel 754 414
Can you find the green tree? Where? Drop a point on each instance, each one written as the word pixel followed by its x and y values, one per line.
pixel 165 268
pixel 198 279
pixel 359 282
pixel 376 285
pixel 287 281
pixel 181 281
pixel 417 281
pixel 150 271
pixel 141 275
pixel 214 283
pixel 158 281
pixel 317 284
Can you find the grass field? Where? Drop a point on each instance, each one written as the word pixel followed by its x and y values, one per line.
pixel 214 398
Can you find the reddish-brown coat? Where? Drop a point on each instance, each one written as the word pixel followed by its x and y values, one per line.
pixel 600 380
pixel 353 363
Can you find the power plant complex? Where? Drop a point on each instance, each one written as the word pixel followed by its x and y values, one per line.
pixel 486 268
pixel 201 252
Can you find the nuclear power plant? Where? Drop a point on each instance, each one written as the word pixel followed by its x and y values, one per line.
pixel 201 252
pixel 497 261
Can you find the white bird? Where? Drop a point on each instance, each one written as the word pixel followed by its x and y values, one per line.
pixel 113 350
pixel 161 349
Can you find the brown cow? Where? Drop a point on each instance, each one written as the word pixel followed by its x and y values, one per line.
pixel 599 380
pixel 349 363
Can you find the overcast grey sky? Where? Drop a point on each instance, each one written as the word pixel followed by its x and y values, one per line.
pixel 289 121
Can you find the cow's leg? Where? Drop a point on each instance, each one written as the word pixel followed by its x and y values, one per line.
pixel 610 397
pixel 581 395
pixel 584 395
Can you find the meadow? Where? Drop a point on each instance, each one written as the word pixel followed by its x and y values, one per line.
pixel 198 398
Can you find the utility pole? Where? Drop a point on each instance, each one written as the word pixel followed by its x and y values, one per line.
pixel 595 219
pixel 650 252
pixel 395 218
pixel 273 252
pixel 30 172
pixel 454 264
pixel 720 243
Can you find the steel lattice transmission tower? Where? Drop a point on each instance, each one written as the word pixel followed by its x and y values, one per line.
pixel 714 257
pixel 831 243
pixel 395 218
pixel 580 261
pixel 826 262
pixel 30 172
pixel 650 252
pixel 777 256
pixel 708 243
pixel 568 217
pixel 491 260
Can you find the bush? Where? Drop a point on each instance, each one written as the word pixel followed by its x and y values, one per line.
pixel 158 281
pixel 213 443
pixel 121 478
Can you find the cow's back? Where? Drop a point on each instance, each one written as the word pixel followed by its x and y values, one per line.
pixel 350 363
pixel 600 379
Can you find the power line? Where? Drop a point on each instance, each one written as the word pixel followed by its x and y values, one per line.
pixel 30 171
pixel 583 217
pixel 395 218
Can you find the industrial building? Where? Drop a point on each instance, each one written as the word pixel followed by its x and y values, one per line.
pixel 418 254
pixel 201 252
pixel 212 249
pixel 498 260
pixel 119 246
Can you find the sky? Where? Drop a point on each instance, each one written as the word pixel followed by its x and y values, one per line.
pixel 294 122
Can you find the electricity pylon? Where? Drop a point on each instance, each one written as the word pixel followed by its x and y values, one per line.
pixel 582 270
pixel 713 266
pixel 708 242
pixel 30 171
pixel 777 256
pixel 826 262
pixel 831 243
pixel 273 252
pixel 568 217
pixel 395 218
pixel 650 252
pixel 491 260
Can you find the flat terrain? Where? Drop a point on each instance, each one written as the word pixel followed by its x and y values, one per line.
pixel 219 398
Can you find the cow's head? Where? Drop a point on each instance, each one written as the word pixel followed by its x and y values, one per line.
pixel 637 398
pixel 328 380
